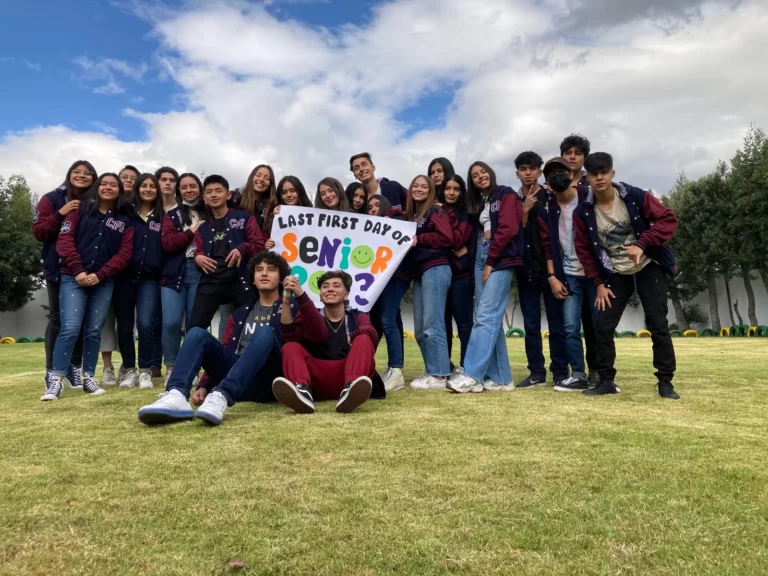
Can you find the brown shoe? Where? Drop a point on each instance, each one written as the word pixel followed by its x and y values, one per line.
pixel 157 372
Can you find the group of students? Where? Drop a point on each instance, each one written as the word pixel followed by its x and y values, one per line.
pixel 161 250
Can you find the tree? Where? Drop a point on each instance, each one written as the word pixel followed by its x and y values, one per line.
pixel 690 282
pixel 19 251
pixel 749 184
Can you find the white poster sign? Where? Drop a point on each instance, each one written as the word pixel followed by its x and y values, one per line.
pixel 368 248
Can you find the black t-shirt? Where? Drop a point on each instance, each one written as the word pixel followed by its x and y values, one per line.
pixel 220 249
pixel 336 345
pixel 259 318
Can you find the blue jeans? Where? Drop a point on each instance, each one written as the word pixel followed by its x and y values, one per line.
pixel 80 307
pixel 487 356
pixel 531 290
pixel 460 300
pixel 177 307
pixel 244 377
pixel 579 287
pixel 392 320
pixel 137 302
pixel 429 296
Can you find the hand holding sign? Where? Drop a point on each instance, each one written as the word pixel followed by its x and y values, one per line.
pixel 369 248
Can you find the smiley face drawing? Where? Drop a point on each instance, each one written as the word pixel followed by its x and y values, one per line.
pixel 312 284
pixel 362 257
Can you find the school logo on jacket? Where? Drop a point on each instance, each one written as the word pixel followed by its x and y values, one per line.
pixel 237 224
pixel 496 206
pixel 421 222
pixel 65 227
pixel 116 225
pixel 155 226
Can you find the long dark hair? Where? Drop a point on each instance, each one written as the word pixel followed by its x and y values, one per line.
pixel 448 172
pixel 411 212
pixel 461 203
pixel 277 199
pixel 90 200
pixel 350 194
pixel 336 186
pixel 76 193
pixel 199 207
pixel 157 207
pixel 475 198
pixel 253 202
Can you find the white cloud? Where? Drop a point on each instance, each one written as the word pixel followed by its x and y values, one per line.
pixel 259 89
pixel 107 70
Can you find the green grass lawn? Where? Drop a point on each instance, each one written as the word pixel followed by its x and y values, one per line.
pixel 527 482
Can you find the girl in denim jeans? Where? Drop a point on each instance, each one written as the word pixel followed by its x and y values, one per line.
pixel 499 252
pixel 432 278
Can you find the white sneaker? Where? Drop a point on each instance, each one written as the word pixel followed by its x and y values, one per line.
pixel 458 371
pixel 393 380
pixel 213 408
pixel 167 377
pixel 421 382
pixel 109 377
pixel 436 383
pixel 171 407
pixel 463 384
pixel 129 379
pixel 145 381
pixel 490 386
pixel 53 391
pixel 91 386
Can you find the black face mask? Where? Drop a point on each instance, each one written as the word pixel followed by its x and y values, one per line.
pixel 560 181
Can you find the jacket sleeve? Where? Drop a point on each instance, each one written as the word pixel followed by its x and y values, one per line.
pixel 462 234
pixel 510 219
pixel 364 326
pixel 66 245
pixel 663 223
pixel 308 324
pixel 584 251
pixel 546 245
pixel 200 244
pixel 205 380
pixel 120 260
pixel 395 213
pixel 255 241
pixel 173 239
pixel 47 221
pixel 441 226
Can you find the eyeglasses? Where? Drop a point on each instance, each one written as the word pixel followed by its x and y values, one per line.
pixel 126 178
pixel 82 173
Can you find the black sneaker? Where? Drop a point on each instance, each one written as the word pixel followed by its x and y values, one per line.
pixel 355 393
pixel 571 384
pixel 53 390
pixel 298 397
pixel 593 379
pixel 91 386
pixel 533 382
pixel 605 387
pixel 75 377
pixel 666 390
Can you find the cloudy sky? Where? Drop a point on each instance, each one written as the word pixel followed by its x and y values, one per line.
pixel 222 85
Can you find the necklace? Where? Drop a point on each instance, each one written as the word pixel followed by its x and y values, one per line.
pixel 335 330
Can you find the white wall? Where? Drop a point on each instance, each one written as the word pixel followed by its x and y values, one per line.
pixel 30 321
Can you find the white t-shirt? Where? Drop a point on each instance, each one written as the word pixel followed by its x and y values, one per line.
pixel 485 217
pixel 194 219
pixel 571 264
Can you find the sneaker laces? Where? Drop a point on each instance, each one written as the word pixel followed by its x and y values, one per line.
pixel 387 375
pixel 217 400
pixel 77 376
pixel 90 384
pixel 54 386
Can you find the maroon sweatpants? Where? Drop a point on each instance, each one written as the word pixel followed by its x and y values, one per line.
pixel 327 378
